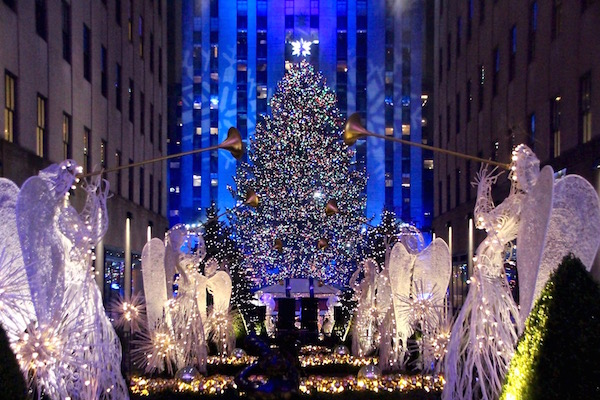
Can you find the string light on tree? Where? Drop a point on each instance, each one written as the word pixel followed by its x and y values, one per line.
pixel 297 163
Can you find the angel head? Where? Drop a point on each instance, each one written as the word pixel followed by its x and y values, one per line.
pixel 62 175
pixel 525 167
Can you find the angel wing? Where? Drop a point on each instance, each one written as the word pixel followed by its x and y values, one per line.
pixel 201 294
pixel 155 280
pixel 433 269
pixel 42 246
pixel 15 297
pixel 535 216
pixel 219 285
pixel 399 272
pixel 573 226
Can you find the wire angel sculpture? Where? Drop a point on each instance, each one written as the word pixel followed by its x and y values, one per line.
pixel 485 331
pixel 68 349
pixel 419 280
pixel 174 335
pixel 559 216
pixel 365 335
pixel 220 321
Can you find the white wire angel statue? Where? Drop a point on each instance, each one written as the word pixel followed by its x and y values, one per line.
pixel 485 332
pixel 69 348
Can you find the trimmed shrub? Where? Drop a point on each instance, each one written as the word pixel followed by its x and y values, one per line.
pixel 558 356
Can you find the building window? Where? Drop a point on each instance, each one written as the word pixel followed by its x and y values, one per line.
pixel 151 123
pixel 151 52
pixel 469 99
pixel 130 180
pixel 118 12
pixel 87 142
pixel 481 86
pixel 103 71
pixel 142 114
pixel 41 19
pixel 118 163
pixel 160 188
pixel 555 111
pixel 468 180
pixel 556 18
pixel 130 22
pixel 160 65
pixel 457 122
pixel 9 106
pixel 440 198
pixel 481 11
pixel 159 138
pixel 103 147
pixel 458 35
pixel 142 182
pixel 87 53
pixel 495 77
pixel 151 193
pixel 456 187
pixel 131 100
pixel 533 14
pixel 585 107
pixel 41 126
pixel 448 52
pixel 66 136
pixel 141 35
pixel 512 43
pixel 118 83
pixel 470 20
pixel 11 4
pixel 448 191
pixel 66 31
pixel 531 127
pixel 585 4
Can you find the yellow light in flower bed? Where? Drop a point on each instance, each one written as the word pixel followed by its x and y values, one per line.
pixel 218 384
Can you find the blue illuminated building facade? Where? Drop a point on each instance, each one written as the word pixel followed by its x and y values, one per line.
pixel 374 53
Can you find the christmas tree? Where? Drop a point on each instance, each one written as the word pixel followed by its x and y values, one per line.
pixel 222 248
pixel 382 237
pixel 297 164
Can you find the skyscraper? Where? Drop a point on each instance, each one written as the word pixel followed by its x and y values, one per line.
pixel 508 73
pixel 372 53
pixel 86 80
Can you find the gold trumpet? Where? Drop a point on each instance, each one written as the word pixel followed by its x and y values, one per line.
pixel 232 143
pixel 252 198
pixel 354 130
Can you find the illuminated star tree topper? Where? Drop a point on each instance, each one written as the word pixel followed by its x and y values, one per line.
pixel 297 163
pixel 301 48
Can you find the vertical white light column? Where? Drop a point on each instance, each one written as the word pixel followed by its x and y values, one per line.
pixel 99 264
pixel 450 239
pixel 470 249
pixel 450 303
pixel 149 233
pixel 127 278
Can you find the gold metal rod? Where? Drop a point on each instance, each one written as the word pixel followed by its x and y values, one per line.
pixel 354 130
pixel 153 160
pixel 439 150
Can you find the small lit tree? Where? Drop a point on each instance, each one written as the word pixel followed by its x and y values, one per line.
pixel 221 247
